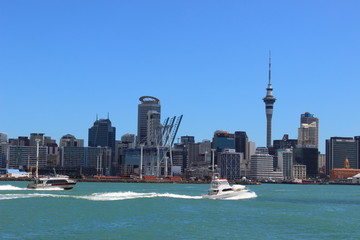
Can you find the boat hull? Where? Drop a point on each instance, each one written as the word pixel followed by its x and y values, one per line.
pixel 225 195
pixel 50 186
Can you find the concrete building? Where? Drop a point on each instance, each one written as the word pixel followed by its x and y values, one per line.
pixel 261 164
pixel 147 104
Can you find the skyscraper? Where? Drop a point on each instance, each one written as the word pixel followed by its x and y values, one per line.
pixel 102 134
pixel 309 131
pixel 147 104
pixel 340 148
pixel 269 101
pixel 241 143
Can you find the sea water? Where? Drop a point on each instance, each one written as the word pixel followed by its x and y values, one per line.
pixel 177 211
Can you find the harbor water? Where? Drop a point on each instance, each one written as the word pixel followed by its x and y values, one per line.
pixel 177 211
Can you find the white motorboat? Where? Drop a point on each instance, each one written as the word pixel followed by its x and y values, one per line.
pixel 48 182
pixel 221 189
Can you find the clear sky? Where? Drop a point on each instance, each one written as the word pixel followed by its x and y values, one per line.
pixel 63 62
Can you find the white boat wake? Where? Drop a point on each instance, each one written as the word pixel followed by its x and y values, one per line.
pixel 107 196
pixel 113 196
pixel 10 188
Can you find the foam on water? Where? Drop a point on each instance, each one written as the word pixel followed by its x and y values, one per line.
pixel 14 188
pixel 246 195
pixel 10 188
pixel 113 196
pixel 33 195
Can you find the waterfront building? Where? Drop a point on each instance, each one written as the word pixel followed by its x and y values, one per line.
pixel 339 148
pixel 308 157
pixel 178 159
pixel 229 163
pixel 69 140
pixel 269 101
pixel 309 131
pixel 262 165
pixel 99 158
pixel 322 164
pixel 154 134
pixel 148 104
pixel 24 157
pixel 299 171
pixel 72 156
pixel 3 153
pixel 285 162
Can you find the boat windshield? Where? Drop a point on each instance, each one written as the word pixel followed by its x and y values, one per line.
pixel 216 184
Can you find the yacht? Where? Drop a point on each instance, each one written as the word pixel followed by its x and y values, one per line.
pixel 220 189
pixel 48 182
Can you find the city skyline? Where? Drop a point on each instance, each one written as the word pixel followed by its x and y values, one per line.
pixel 61 66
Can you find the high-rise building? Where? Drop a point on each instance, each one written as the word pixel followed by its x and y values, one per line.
pixel 261 164
pixel 285 162
pixel 269 101
pixel 154 134
pixel 340 148
pixel 241 143
pixel 102 134
pixel 147 104
pixel 223 140
pixel 308 157
pixel 308 131
pixel 230 162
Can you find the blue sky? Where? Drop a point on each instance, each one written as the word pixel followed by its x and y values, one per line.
pixel 63 62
